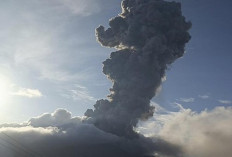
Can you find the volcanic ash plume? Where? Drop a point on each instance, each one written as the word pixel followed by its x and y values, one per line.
pixel 149 35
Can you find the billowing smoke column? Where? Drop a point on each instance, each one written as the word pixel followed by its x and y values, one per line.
pixel 149 35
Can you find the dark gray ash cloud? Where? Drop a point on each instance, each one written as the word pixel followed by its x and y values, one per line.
pixel 149 35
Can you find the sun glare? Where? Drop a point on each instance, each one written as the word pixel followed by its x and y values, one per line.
pixel 4 89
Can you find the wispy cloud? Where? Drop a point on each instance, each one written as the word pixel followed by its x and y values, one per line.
pixel 158 108
pixel 187 100
pixel 27 92
pixel 179 106
pixel 32 47
pixel 80 7
pixel 78 93
pixel 227 102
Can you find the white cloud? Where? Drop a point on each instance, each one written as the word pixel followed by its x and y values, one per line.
pixel 58 118
pixel 205 134
pixel 27 92
pixel 8 89
pixel 227 102
pixel 187 100
pixel 25 129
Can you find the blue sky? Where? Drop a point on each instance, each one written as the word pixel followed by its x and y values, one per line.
pixel 49 57
pixel 205 70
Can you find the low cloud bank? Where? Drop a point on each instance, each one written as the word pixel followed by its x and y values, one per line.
pixel 205 134
pixel 171 134
pixel 59 134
